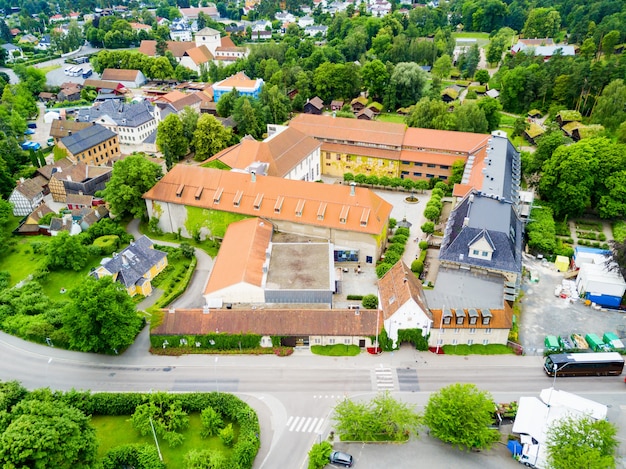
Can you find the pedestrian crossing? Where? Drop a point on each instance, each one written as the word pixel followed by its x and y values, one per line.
pixel 384 379
pixel 305 424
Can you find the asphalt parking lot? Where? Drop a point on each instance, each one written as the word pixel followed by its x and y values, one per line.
pixel 425 451
pixel 545 314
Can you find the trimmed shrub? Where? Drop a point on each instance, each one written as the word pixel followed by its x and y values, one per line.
pixel 428 227
pixel 417 267
pixel 382 269
pixel 370 301
pixel 423 245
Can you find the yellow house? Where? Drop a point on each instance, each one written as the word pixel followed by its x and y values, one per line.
pixel 135 266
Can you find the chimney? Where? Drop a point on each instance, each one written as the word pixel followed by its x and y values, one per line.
pixel 253 176
pixel 353 188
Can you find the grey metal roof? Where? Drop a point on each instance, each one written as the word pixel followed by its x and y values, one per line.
pixel 123 114
pixel 134 261
pixel 457 289
pixel 151 138
pixel 87 138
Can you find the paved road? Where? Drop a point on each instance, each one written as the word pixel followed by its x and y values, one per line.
pixel 295 395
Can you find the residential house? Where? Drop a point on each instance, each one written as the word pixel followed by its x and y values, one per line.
pixel 95 145
pixel 287 154
pixel 128 78
pixel 132 122
pixel 28 39
pixel 66 224
pixel 30 226
pixel 316 29
pixel 192 13
pixel 46 97
pixel 134 267
pixel 314 106
pixel 533 132
pixel 93 216
pixel 260 35
pixel 140 27
pixel 188 54
pixel 402 302
pixel 451 93
pixel 78 201
pixel 228 52
pixel 300 327
pixel 69 92
pixel 27 195
pixel 74 179
pixel 102 86
pixel 566 116
pixel 306 21
pixel 352 217
pixel 62 128
pixel 175 102
pixel 180 30
pixel 240 81
pixel 13 52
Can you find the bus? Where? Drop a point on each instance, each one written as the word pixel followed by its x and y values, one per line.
pixel 584 364
pixel 77 72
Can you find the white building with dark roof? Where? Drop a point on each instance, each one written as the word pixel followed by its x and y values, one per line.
pixel 132 122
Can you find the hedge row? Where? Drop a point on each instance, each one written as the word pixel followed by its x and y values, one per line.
pixel 210 342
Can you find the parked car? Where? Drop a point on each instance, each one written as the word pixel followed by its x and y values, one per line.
pixel 343 459
pixel 32 125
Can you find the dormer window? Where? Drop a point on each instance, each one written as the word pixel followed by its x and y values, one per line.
pixel 481 247
pixel 447 316
pixel 460 316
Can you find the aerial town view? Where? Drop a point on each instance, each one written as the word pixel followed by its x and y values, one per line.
pixel 312 234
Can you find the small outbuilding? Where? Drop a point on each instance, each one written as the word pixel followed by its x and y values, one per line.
pixel 601 284
pixel 561 263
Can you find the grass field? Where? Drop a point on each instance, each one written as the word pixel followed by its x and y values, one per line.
pixel 337 350
pixel 482 39
pixel 385 117
pixel 48 69
pixel 117 430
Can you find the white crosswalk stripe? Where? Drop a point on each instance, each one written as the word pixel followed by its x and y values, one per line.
pixel 384 379
pixel 304 424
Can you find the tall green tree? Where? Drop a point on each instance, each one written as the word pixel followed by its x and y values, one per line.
pixel 163 413
pixel 542 23
pixel 47 434
pixel 431 113
pixel 442 67
pixel 210 137
pixel 131 178
pixel 247 113
pixel 460 414
pixel 406 85
pixel 610 110
pixel 491 107
pixel 101 317
pixel 375 78
pixel 66 252
pixel 189 119
pixel 276 105
pixel 471 118
pixel 226 103
pixel 171 139
pixel 575 442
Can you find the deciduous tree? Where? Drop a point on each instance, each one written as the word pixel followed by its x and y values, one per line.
pixel 131 178
pixel 406 85
pixel 210 137
pixel 247 113
pixel 460 414
pixel 66 252
pixel 610 110
pixel 101 317
pixel 575 442
pixel 171 139
pixel 47 434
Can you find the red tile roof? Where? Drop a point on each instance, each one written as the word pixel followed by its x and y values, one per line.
pixel 274 198
pixel 398 286
pixel 287 322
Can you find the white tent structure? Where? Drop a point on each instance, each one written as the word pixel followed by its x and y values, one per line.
pixel 51 116
pixel 535 416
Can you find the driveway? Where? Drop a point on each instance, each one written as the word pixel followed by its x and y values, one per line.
pixel 545 314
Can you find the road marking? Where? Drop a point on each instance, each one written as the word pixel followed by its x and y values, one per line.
pixel 304 424
pixel 384 379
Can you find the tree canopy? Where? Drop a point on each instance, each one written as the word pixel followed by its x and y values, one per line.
pixel 132 177
pixel 171 139
pixel 575 442
pixel 460 414
pixel 46 433
pixel 210 137
pixel 101 318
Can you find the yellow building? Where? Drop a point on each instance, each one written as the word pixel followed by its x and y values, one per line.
pixel 388 149
pixel 94 145
pixel 135 266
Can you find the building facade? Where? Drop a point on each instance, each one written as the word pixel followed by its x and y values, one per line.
pixel 93 146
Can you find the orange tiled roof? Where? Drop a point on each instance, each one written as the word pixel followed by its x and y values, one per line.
pixel 476 176
pixel 283 152
pixel 398 286
pixel 114 74
pixel 177 48
pixel 240 80
pixel 502 319
pixel 325 322
pixel 341 129
pixel 446 140
pixel 200 55
pixel 246 239
pixel 274 198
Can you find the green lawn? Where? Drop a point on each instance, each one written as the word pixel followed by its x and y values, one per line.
pixel 208 246
pixel 337 350
pixel 48 69
pixel 21 261
pixel 470 35
pixel 117 430
pixel 477 349
pixel 387 117
pixel 506 119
